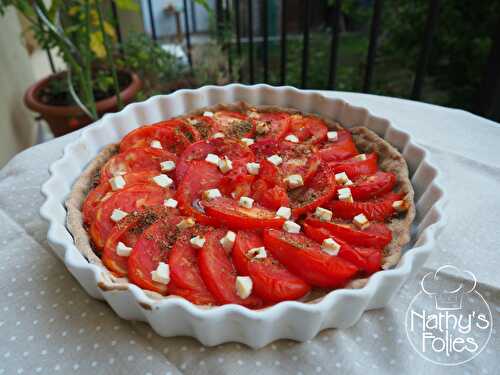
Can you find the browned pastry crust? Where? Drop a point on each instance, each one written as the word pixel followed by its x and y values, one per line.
pixel 366 140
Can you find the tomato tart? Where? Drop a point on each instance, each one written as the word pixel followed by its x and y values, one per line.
pixel 251 205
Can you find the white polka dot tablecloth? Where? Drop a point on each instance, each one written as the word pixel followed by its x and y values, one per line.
pixel 49 325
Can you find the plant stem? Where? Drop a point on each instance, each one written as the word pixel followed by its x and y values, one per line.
pixel 86 79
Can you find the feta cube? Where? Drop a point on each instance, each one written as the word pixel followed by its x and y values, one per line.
pixel 197 242
pixel 257 253
pixel 118 215
pixel 294 180
pixel 208 114
pixel 163 180
pixel 218 135
pixel 167 166
pixel 400 206
pixel 292 138
pixel 284 212
pixel 117 183
pixel 341 178
pixel 172 203
pixel 323 214
pixel 225 165
pixel 361 157
pixel 213 159
pixel 253 168
pixel 243 286
pixel 155 144
pixel 360 221
pixel 227 241
pixel 161 274
pixel 330 247
pixel 332 136
pixel 344 194
pixel 211 194
pixel 248 141
pixel 186 223
pixel 291 227
pixel 246 202
pixel 123 250
pixel 275 159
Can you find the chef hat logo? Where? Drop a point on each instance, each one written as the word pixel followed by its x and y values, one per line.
pixel 449 297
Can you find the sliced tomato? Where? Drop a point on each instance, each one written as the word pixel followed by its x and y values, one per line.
pixel 196 151
pixel 276 122
pixel 135 160
pixel 228 212
pixel 308 128
pixel 169 134
pixel 341 149
pixel 134 198
pixel 318 191
pixel 237 183
pixel 377 209
pixel 264 148
pixel 269 196
pixel 151 248
pixel 271 280
pixel 299 159
pixel 270 173
pixel 304 258
pixel 199 177
pixel 375 235
pixel 219 273
pixel 354 167
pixel 366 187
pixel 233 124
pixel 204 125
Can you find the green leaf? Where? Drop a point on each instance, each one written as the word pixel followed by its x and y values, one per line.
pixel 129 5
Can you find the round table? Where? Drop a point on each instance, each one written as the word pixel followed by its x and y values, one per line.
pixel 49 325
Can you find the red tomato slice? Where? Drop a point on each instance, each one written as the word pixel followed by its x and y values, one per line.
pixel 196 151
pixel 377 209
pixel 299 159
pixel 304 258
pixel 151 248
pixel 219 274
pixel 307 128
pixel 134 198
pixel 171 137
pixel 271 280
pixel 355 168
pixel 318 191
pixel 341 149
pixel 228 212
pixel 233 124
pixel 265 148
pixel 135 160
pixel 200 176
pixel 376 235
pixel 277 123
pixel 237 183
pixel 204 125
pixel 366 187
pixel 269 196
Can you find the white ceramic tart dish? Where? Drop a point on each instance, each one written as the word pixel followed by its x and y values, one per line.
pixel 174 316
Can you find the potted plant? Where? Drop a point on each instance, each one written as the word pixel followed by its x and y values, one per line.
pixel 92 84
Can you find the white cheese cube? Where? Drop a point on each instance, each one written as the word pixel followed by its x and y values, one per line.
pixel 197 242
pixel 323 214
pixel 123 250
pixel 246 202
pixel 161 274
pixel 294 180
pixel 291 227
pixel 117 183
pixel 212 159
pixel 292 138
pixel 344 194
pixel 284 212
pixel 253 168
pixel 163 180
pixel 167 166
pixel 172 203
pixel 332 136
pixel 118 215
pixel 400 206
pixel 227 241
pixel 275 159
pixel 257 253
pixel 341 178
pixel 248 141
pixel 211 194
pixel 360 157
pixel 360 221
pixel 330 247
pixel 244 286
pixel 208 114
pixel 186 223
pixel 155 144
pixel 218 135
pixel 225 165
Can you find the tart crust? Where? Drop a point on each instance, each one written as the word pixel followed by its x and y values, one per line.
pixel 366 141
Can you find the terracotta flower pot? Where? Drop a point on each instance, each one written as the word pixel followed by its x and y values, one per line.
pixel 65 119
